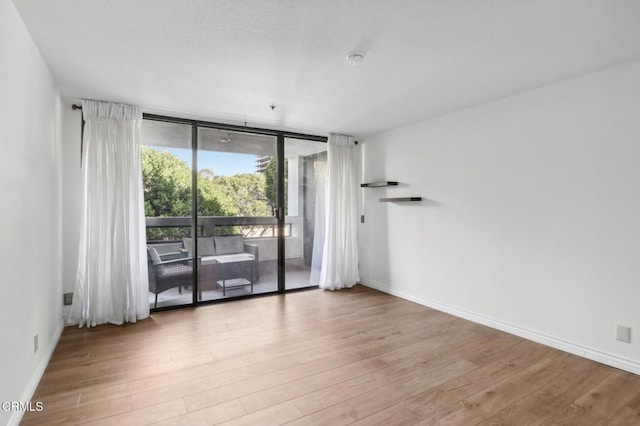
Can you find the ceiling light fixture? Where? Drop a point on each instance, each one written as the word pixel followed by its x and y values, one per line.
pixel 225 139
pixel 355 58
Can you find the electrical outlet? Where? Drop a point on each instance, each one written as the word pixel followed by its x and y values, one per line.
pixel 623 333
pixel 35 343
pixel 67 299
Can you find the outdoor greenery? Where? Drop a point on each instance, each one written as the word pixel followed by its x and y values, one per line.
pixel 271 182
pixel 167 192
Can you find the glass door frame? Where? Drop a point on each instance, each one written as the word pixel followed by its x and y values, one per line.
pixel 280 210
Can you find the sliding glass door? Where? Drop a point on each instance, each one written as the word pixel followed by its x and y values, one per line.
pixel 305 169
pixel 237 179
pixel 230 211
pixel 167 183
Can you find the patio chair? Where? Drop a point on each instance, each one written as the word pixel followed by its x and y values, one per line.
pixel 168 274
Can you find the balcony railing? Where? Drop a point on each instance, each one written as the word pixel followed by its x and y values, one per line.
pixel 175 228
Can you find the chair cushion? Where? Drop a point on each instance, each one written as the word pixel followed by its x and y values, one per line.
pixel 153 255
pixel 229 244
pixel 230 258
pixel 207 260
pixel 205 246
pixel 178 270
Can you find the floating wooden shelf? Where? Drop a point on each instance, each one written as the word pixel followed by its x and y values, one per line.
pixel 400 199
pixel 378 184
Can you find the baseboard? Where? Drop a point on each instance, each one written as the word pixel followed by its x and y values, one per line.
pixel 37 374
pixel 563 345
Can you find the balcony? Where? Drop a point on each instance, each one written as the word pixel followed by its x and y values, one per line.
pixel 258 231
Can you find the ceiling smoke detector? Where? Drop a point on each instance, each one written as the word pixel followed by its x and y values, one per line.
pixel 355 58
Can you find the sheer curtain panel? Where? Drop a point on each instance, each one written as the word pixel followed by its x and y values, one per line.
pixel 319 226
pixel 111 282
pixel 340 251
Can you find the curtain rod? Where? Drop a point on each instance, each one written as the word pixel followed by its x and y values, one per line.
pixel 77 107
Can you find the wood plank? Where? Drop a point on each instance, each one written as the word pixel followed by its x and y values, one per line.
pixel 444 399
pixel 543 403
pixel 230 354
pixel 610 394
pixel 624 417
pixel 317 357
pixel 355 407
pixel 358 353
pixel 209 416
pixel 84 414
pixel 145 416
pixel 496 397
pixel 272 416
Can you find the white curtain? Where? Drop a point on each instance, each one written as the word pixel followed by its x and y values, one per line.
pixel 320 172
pixel 340 252
pixel 111 282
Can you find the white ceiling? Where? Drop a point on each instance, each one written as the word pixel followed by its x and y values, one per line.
pixel 227 60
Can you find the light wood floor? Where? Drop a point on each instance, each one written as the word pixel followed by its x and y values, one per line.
pixel 354 356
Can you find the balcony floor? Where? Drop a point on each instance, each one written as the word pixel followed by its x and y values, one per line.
pixel 297 276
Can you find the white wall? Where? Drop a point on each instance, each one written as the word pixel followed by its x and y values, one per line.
pixel 30 256
pixel 531 221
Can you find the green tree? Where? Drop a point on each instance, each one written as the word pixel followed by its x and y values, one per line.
pixel 271 184
pixel 167 184
pixel 243 194
pixel 206 173
pixel 240 195
pixel 212 200
pixel 167 192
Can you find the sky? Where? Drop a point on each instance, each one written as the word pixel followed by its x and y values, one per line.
pixel 222 163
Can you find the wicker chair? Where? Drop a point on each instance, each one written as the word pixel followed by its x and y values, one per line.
pixel 168 274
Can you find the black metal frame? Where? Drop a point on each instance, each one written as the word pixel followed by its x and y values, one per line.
pixel 194 210
pixel 235 127
pixel 280 141
pixel 281 212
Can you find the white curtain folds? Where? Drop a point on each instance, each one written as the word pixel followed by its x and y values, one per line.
pixel 111 282
pixel 340 252
pixel 319 224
